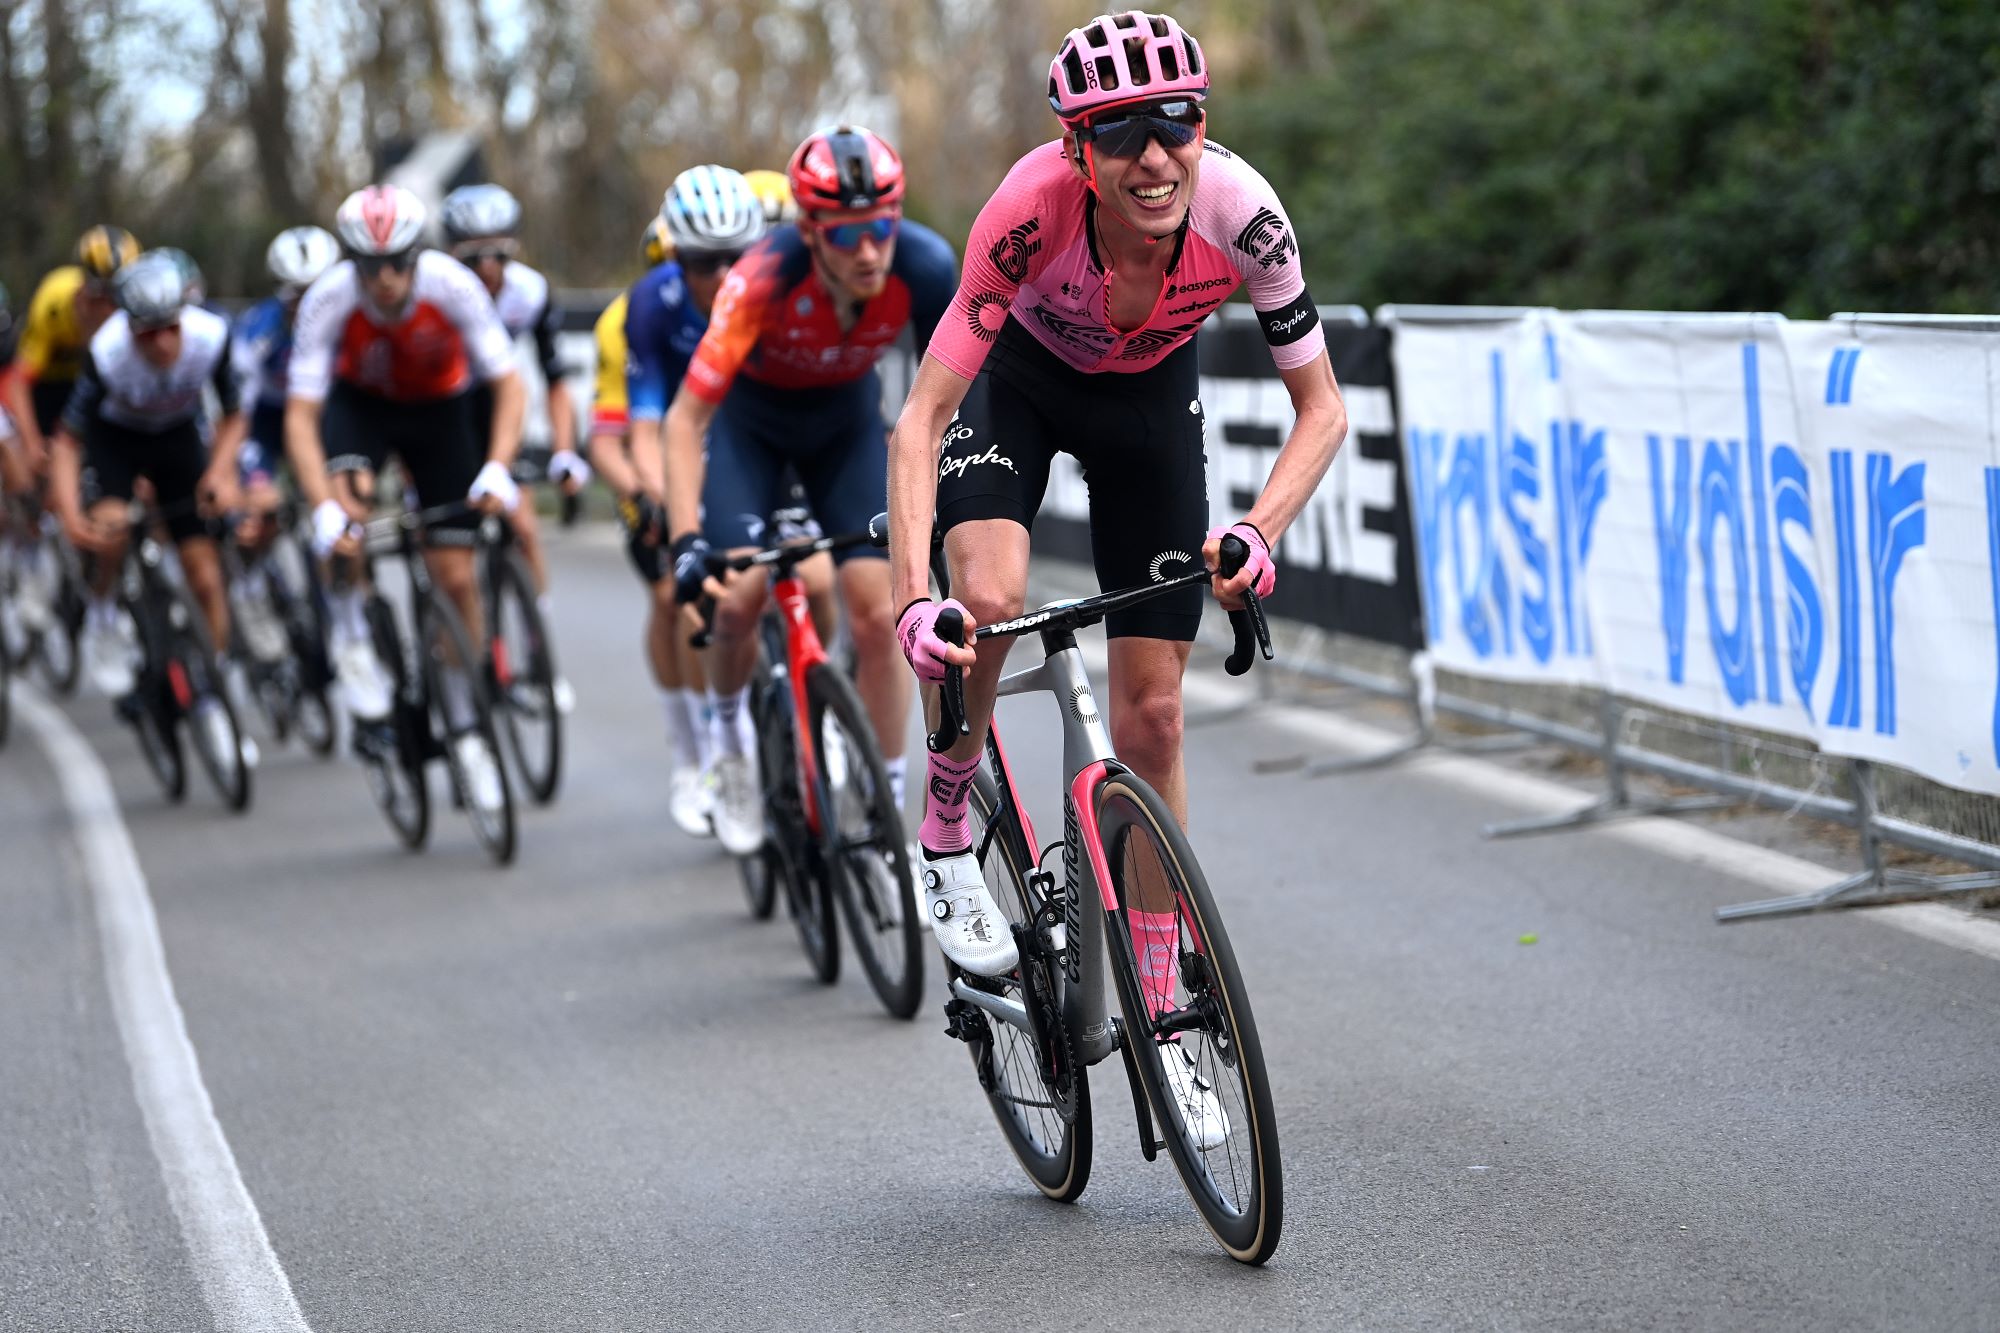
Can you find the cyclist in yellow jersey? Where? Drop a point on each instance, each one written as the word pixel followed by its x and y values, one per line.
pixel 69 306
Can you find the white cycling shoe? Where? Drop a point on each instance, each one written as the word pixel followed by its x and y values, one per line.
pixel 110 652
pixel 739 804
pixel 690 800
pixel 969 925
pixel 481 771
pixel 365 686
pixel 1201 1110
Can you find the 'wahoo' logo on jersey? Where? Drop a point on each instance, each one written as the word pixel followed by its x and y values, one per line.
pixel 1267 239
pixel 1010 254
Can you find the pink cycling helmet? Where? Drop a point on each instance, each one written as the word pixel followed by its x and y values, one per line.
pixel 1117 59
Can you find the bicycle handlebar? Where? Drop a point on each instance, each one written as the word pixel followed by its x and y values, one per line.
pixel 1252 628
pixel 786 556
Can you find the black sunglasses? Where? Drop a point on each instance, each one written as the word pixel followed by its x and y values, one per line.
pixel 370 265
pixel 1126 133
pixel 708 263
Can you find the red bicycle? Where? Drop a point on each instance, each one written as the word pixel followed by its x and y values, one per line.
pixel 832 829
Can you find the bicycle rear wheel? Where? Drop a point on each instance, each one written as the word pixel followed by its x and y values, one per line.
pixel 523 666
pixel 862 842
pixel 1054 1148
pixel 1231 1169
pixel 447 648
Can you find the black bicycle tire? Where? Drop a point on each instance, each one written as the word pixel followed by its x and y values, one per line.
pixel 155 715
pixel 760 887
pixel 808 895
pixel 434 608
pixel 408 760
pixel 509 577
pixel 205 671
pixel 829 690
pixel 68 611
pixel 1251 1237
pixel 305 634
pixel 1064 1174
pixel 6 701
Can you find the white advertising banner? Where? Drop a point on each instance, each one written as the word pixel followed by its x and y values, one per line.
pixel 1787 526
pixel 1897 640
pixel 1505 493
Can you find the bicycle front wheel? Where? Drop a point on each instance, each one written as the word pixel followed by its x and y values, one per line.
pixel 522 664
pixel 862 842
pixel 196 680
pixel 466 721
pixel 1026 1092
pixel 393 754
pixel 1186 1004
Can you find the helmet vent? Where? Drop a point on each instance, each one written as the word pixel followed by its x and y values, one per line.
pixel 1073 71
pixel 1135 61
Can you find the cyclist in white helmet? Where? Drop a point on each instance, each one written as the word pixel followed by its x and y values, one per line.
pixel 139 411
pixel 480 225
pixel 710 216
pixel 388 346
pixel 261 354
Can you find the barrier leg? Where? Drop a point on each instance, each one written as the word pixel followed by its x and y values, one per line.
pixel 1874 886
pixel 1617 801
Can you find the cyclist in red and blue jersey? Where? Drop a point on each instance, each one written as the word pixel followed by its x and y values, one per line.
pixel 1087 276
pixel 785 375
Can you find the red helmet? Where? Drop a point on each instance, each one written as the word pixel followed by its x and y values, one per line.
pixel 843 169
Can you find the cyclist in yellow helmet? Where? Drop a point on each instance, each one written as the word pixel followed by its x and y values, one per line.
pixel 658 247
pixel 68 307
pixel 775 193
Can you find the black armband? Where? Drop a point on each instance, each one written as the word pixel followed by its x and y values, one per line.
pixel 1291 323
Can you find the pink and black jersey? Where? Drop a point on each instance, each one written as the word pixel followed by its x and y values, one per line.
pixel 1032 255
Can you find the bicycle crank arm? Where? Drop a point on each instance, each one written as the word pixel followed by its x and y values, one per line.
pixel 1011 1012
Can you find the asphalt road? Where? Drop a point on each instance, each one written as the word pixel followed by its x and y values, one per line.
pixel 589 1092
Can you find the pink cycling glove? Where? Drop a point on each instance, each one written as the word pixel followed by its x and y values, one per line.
pixel 1263 574
pixel 917 632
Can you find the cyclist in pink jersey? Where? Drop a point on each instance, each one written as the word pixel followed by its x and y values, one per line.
pixel 1085 280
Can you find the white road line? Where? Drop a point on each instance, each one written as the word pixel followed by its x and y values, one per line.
pixel 231 1255
pixel 1772 871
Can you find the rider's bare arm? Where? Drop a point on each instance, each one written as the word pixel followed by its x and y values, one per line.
pixel 609 456
pixel 304 447
pixel 1317 433
pixel 562 419
pixel 914 446
pixel 510 408
pixel 20 405
pixel 649 466
pixel 687 426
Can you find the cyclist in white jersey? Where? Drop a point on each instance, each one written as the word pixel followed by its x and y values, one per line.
pixel 137 412
pixel 480 222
